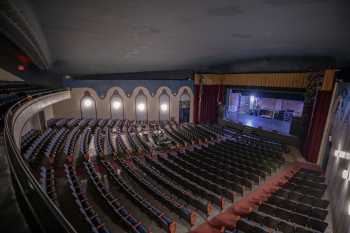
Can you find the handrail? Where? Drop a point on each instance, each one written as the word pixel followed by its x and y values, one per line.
pixel 40 208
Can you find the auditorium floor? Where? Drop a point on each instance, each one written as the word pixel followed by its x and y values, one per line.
pixel 281 127
pixel 182 226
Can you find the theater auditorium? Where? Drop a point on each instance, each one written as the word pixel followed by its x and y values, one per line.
pixel 175 116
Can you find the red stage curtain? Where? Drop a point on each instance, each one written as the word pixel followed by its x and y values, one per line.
pixel 317 124
pixel 196 104
pixel 211 95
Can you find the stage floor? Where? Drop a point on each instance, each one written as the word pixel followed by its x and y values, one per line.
pixel 283 127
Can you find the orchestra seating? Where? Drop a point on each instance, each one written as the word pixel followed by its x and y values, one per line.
pixel 295 207
pixel 203 169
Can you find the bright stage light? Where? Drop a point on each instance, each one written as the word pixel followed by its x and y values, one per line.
pixel 116 104
pixel 164 107
pixel 141 107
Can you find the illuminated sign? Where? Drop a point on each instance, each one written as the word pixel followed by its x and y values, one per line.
pixel 342 154
pixel 346 175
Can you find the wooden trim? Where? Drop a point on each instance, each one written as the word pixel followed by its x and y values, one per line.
pixel 328 80
pixel 279 80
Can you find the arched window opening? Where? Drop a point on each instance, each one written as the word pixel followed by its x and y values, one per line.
pixel 141 107
pixel 117 106
pixel 88 106
pixel 164 106
pixel 184 107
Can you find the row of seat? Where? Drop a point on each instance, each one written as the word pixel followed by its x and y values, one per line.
pixel 173 136
pixel 28 138
pixel 260 223
pixel 127 220
pixel 215 178
pixel 208 184
pixel 157 215
pixel 85 208
pixel 297 207
pixel 184 135
pixel 99 141
pixel 211 130
pixel 51 149
pixel 71 140
pixel 288 212
pixel 311 177
pixel 249 151
pixel 141 138
pixel 254 140
pixel 48 183
pixel 84 141
pixel 292 217
pixel 73 123
pixel 301 188
pixel 261 166
pixel 263 143
pixel 302 198
pixel 236 167
pixel 259 145
pixel 187 183
pixel 200 132
pixel 109 150
pixel 121 148
pixel 31 154
pixel 230 174
pixel 102 122
pixel 174 188
pixel 134 146
pixel 167 199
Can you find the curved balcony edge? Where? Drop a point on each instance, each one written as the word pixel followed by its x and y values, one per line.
pixel 41 214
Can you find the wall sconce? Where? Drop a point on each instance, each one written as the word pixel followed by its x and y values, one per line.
pixel 87 102
pixel 116 104
pixel 164 107
pixel 141 107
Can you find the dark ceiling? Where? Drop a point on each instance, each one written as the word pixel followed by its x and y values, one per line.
pixel 93 37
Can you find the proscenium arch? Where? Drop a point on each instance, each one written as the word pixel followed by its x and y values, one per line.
pixel 88 106
pixel 117 113
pixel 164 101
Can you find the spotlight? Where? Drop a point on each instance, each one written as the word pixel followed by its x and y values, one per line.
pixel 164 107
pixel 141 107
pixel 116 104
pixel 87 103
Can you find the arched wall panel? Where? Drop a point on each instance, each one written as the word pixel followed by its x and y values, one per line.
pixel 72 108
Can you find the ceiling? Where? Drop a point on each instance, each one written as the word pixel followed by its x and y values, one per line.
pixel 115 36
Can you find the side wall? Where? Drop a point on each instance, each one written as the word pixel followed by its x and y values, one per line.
pixel 339 140
pixel 72 107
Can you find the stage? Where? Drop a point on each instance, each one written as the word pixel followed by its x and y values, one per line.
pixel 282 127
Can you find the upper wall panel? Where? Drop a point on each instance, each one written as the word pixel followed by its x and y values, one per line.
pixel 102 86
